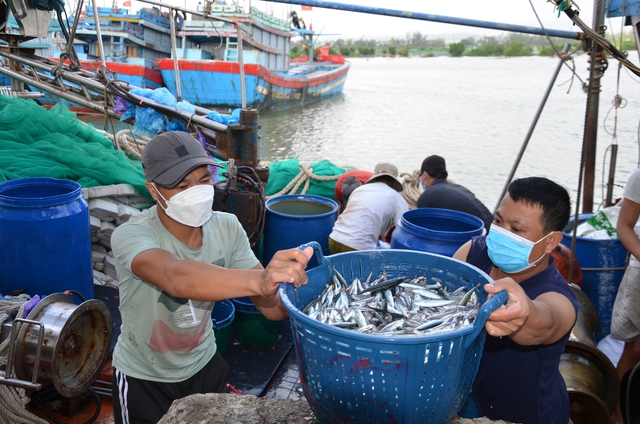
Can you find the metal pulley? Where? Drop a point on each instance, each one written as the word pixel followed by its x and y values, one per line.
pixel 59 343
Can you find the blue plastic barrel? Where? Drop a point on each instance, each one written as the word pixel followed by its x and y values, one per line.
pixel 434 230
pixel 296 219
pixel 602 263
pixel 45 237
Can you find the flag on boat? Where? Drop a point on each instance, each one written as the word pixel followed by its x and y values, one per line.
pixel 307 7
pixel 126 3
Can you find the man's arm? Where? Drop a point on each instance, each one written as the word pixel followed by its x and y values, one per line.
pixel 629 213
pixel 528 322
pixel 463 252
pixel 544 320
pixel 195 280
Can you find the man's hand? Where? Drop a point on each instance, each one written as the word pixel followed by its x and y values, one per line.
pixel 286 266
pixel 528 322
pixel 509 319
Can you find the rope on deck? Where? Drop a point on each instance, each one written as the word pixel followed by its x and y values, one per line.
pixel 411 189
pixel 128 142
pixel 304 176
pixel 13 400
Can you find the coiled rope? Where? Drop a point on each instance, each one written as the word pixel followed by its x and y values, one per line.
pixel 13 400
pixel 411 189
pixel 126 141
pixel 304 177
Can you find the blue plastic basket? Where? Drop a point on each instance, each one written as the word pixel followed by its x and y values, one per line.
pixel 222 317
pixel 349 377
pixel 222 313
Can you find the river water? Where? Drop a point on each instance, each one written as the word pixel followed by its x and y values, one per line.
pixel 473 111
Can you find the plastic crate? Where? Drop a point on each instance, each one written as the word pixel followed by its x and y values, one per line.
pixel 222 317
pixel 253 327
pixel 362 378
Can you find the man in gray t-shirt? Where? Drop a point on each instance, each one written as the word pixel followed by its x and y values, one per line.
pixel 625 317
pixel 174 261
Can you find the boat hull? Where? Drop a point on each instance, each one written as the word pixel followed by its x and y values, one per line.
pixel 213 83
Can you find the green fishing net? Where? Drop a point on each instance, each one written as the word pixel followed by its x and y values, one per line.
pixel 282 174
pixel 36 142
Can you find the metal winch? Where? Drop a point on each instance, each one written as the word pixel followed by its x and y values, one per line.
pixel 591 378
pixel 60 343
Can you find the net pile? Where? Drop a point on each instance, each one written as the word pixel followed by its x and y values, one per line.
pixel 36 142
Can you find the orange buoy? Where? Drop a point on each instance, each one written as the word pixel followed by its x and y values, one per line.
pixel 562 255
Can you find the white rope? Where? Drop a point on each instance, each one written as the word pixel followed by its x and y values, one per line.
pixel 304 177
pixel 128 142
pixel 13 400
pixel 411 189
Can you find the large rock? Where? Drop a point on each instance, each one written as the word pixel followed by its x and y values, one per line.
pixel 228 408
pixel 223 408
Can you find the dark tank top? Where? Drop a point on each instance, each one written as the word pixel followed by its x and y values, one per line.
pixel 522 384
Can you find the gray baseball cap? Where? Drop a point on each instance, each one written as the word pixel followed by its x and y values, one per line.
pixel 170 156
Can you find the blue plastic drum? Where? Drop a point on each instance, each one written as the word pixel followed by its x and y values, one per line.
pixel 433 230
pixel 602 263
pixel 45 237
pixel 295 219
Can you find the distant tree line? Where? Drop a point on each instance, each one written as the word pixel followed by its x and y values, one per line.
pixel 417 44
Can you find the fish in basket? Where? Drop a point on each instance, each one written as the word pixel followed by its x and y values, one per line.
pixel 353 377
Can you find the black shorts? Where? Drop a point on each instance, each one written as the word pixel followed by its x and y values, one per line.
pixel 142 401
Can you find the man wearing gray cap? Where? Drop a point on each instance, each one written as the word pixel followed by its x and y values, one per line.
pixel 174 261
pixel 373 210
pixel 439 193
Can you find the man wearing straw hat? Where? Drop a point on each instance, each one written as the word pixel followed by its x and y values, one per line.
pixel 518 379
pixel 174 261
pixel 372 211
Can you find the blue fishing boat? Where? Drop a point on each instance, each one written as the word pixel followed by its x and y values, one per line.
pixel 248 157
pixel 243 59
pixel 131 42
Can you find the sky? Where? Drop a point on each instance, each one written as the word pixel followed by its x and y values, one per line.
pixel 354 25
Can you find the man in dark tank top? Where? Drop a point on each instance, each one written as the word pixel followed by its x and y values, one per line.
pixel 518 379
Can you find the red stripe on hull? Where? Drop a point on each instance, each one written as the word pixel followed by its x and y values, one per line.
pixel 126 69
pixel 253 69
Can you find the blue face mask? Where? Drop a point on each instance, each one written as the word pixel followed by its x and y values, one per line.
pixel 509 251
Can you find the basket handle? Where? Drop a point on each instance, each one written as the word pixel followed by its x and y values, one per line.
pixel 317 251
pixel 486 309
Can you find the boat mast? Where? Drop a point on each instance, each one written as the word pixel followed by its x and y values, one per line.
pixel 596 71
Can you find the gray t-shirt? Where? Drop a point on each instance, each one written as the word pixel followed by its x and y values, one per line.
pixel 632 192
pixel 163 338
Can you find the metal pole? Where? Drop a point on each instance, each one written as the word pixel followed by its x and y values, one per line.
pixel 243 90
pixel 174 54
pixel 434 18
pixel 596 70
pixel 96 16
pixel 533 125
pixel 612 172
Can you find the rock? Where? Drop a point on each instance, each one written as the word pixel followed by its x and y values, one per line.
pixel 225 408
pixel 222 408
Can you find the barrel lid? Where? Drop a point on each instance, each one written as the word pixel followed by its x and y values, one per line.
pixel 39 192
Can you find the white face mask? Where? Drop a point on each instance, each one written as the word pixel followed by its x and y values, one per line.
pixel 191 207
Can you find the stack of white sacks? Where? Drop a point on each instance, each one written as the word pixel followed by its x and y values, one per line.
pixel 109 207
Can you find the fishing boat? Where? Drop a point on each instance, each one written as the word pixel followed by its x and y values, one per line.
pixel 243 60
pixel 226 141
pixel 131 41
